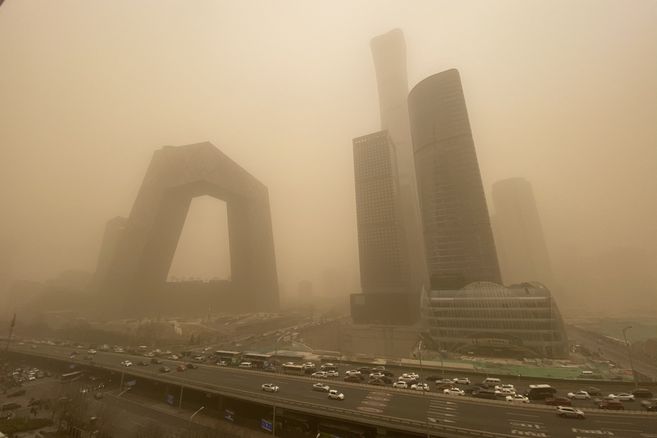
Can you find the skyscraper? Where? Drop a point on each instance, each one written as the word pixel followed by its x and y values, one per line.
pixel 457 232
pixel 389 55
pixel 391 251
pixel 519 234
pixel 381 249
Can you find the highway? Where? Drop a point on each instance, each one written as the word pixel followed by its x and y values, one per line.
pixel 435 413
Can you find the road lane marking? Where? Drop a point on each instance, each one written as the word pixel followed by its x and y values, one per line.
pixel 436 420
pixel 530 433
pixel 447 408
pixel 446 414
pixel 527 425
pixel 368 409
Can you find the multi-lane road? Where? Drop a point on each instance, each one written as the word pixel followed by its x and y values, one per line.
pixel 367 403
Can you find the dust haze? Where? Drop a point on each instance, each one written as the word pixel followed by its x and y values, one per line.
pixel 561 93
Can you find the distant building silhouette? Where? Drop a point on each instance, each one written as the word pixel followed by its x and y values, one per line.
pixel 518 232
pixel 457 232
pixel 137 253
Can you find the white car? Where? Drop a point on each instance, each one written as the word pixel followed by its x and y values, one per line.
pixel 420 387
pixel 453 391
pixel 622 396
pixel 269 387
pixel 352 373
pixel 320 374
pixel 332 373
pixel 321 387
pixel 410 376
pixel 400 384
pixel 245 365
pixel 579 395
pixel 568 412
pixel 505 390
pixel 91 351
pixel 126 363
pixel 334 394
pixel 461 380
pixel 377 376
pixel 517 398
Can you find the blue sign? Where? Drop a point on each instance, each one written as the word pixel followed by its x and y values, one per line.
pixel 267 425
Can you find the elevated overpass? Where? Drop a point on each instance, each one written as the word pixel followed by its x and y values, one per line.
pixel 383 411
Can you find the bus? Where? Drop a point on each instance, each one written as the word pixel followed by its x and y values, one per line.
pixel 227 358
pixel 293 368
pixel 71 377
pixel 540 392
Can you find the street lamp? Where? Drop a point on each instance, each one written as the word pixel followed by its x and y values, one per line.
pixel 629 352
pixel 193 415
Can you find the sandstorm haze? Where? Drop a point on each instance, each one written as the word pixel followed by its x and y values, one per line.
pixel 563 94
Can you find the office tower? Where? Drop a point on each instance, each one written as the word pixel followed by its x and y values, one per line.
pixel 457 232
pixel 387 296
pixel 518 233
pixel 389 55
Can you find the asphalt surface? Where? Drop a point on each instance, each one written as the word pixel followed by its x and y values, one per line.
pixel 464 412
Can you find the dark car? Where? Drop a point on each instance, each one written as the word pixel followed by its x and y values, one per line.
pixel 364 370
pixel 486 394
pixel 558 401
pixel 642 393
pixel 615 405
pixel 191 366
pixel 164 369
pixel 433 378
pixel 143 363
pixel 352 379
pixel 181 367
pixel 593 391
pixel 652 407
pixel 156 361
pixel 377 382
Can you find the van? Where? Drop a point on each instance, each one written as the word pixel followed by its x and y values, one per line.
pixel 245 365
pixel 491 381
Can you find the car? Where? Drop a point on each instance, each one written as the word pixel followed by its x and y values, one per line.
pixel 246 365
pixel 320 374
pixel 569 412
pixel 191 366
pixel 126 363
pixel 642 393
pixel 461 380
pixel 376 382
pixel 650 405
pixel 98 395
pixel 453 391
pixel 579 395
pixel 379 368
pixel 491 381
pixel 143 363
pixel 558 401
pixel 377 375
pixel 164 369
pixel 504 390
pixel 434 378
pixel 352 379
pixel 623 396
pixel 420 387
pixel 410 375
pixel 332 373
pixel 321 387
pixel 334 394
pixel 400 384
pixel 517 398
pixel 612 405
pixel 364 370
pixel 444 381
pixel 593 391
pixel 222 363
pixel 156 361
pixel 269 387
pixel 181 368
pixel 352 373
pixel 91 351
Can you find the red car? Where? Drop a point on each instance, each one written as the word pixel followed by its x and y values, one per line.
pixel 615 405
pixel 181 368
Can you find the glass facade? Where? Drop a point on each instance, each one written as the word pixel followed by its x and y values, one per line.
pixel 520 320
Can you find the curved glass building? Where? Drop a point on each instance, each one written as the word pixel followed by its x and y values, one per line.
pixel 521 320
pixel 457 233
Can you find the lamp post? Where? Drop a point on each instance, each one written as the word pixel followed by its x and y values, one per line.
pixel 193 415
pixel 629 352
